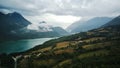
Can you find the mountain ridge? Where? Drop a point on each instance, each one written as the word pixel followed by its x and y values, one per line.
pixel 113 22
pixel 93 23
pixel 14 26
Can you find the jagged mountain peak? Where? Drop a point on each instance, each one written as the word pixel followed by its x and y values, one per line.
pixel 11 14
pixel 12 21
pixel 15 14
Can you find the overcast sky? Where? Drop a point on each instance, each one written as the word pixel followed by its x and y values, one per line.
pixel 61 12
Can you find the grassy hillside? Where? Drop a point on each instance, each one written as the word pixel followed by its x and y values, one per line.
pixel 98 48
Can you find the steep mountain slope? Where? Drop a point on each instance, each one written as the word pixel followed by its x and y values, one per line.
pixel 88 25
pixel 60 30
pixel 114 22
pixel 10 22
pixel 73 26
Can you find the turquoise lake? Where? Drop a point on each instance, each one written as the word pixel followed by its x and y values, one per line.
pixel 21 45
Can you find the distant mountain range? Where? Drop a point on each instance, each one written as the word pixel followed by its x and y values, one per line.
pixel 93 23
pixel 15 26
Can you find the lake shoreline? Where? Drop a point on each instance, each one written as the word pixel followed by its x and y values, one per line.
pixel 22 45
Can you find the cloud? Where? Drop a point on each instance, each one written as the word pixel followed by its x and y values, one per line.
pixel 55 20
pixel 79 8
pixel 64 7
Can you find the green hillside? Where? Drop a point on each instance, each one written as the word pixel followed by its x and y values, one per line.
pixel 98 48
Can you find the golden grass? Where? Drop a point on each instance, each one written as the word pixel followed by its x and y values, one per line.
pixel 44 62
pixel 58 46
pixel 95 53
pixel 103 31
pixel 61 45
pixel 94 39
pixel 62 63
pixel 68 61
pixel 95 46
pixel 90 33
pixel 64 51
pixel 45 49
pixel 65 44
pixel 42 50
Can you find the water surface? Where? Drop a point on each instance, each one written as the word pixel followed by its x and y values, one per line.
pixel 21 45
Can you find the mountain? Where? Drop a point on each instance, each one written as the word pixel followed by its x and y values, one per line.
pixel 113 22
pixel 73 26
pixel 93 23
pixel 40 30
pixel 15 26
pixel 10 22
pixel 60 30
